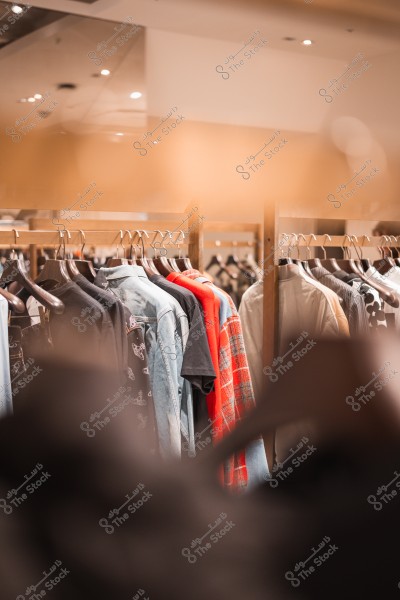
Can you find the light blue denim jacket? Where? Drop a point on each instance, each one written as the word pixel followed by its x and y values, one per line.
pixel 164 328
pixel 6 407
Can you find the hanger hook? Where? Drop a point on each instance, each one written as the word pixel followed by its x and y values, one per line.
pixel 323 246
pixel 291 244
pixel 382 248
pixel 345 248
pixel 130 241
pixel 61 239
pixel 312 236
pixel 141 233
pixel 391 247
pixel 285 238
pixel 16 236
pixel 121 239
pixel 83 240
pixel 64 245
pixel 365 237
pixel 179 241
pixel 169 234
pixel 356 248
pixel 298 241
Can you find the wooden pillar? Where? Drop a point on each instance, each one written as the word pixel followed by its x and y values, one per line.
pixel 196 236
pixel 258 237
pixel 270 306
pixel 33 260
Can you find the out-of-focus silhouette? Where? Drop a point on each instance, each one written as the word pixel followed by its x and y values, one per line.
pixel 119 521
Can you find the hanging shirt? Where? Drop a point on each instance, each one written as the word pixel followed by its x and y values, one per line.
pixel 84 329
pixel 131 355
pixel 236 380
pixel 305 313
pixel 161 321
pixel 374 304
pixel 304 305
pixel 334 302
pixel 353 303
pixel 116 311
pixel 392 313
pixel 6 407
pixel 221 413
pixel 197 366
pixel 211 316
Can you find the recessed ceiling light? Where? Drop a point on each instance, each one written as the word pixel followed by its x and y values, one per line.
pixel 289 39
pixel 119 133
pixel 31 99
pixel 105 72
pixel 38 96
pixel 307 42
pixel 22 100
pixel 17 9
pixel 136 95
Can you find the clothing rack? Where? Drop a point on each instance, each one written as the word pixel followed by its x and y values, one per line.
pixel 336 241
pixel 272 247
pixel 106 233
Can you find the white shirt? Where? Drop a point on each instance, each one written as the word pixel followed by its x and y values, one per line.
pixel 303 307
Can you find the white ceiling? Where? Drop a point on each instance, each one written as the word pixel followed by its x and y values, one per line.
pixel 375 23
pixel 58 53
pixel 185 40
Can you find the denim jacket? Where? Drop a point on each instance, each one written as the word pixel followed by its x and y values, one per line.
pixel 6 407
pixel 165 328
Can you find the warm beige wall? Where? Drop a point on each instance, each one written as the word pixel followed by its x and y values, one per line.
pixel 197 162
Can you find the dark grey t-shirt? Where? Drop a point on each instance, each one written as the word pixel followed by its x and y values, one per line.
pixel 197 364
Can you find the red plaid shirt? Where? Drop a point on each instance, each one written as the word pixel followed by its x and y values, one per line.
pixel 237 396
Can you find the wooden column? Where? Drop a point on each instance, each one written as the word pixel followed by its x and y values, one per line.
pixel 196 236
pixel 258 238
pixel 33 260
pixel 270 306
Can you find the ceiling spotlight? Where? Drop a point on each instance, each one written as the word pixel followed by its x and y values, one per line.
pixel 38 96
pixel 17 9
pixel 119 134
pixel 31 99
pixel 22 100
pixel 136 95
pixel 307 42
pixel 105 72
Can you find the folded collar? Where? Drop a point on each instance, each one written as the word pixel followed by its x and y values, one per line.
pixel 123 271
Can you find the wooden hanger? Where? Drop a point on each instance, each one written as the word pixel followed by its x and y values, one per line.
pixel 55 270
pixel 181 263
pixel 15 271
pixel 304 263
pixel 14 303
pixel 349 265
pixel 84 267
pixel 142 261
pixel 287 260
pixel 161 263
pixel 386 262
pixel 117 262
pixel 386 295
pixel 329 264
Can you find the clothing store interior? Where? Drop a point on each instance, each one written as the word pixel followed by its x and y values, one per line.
pixel 199 299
